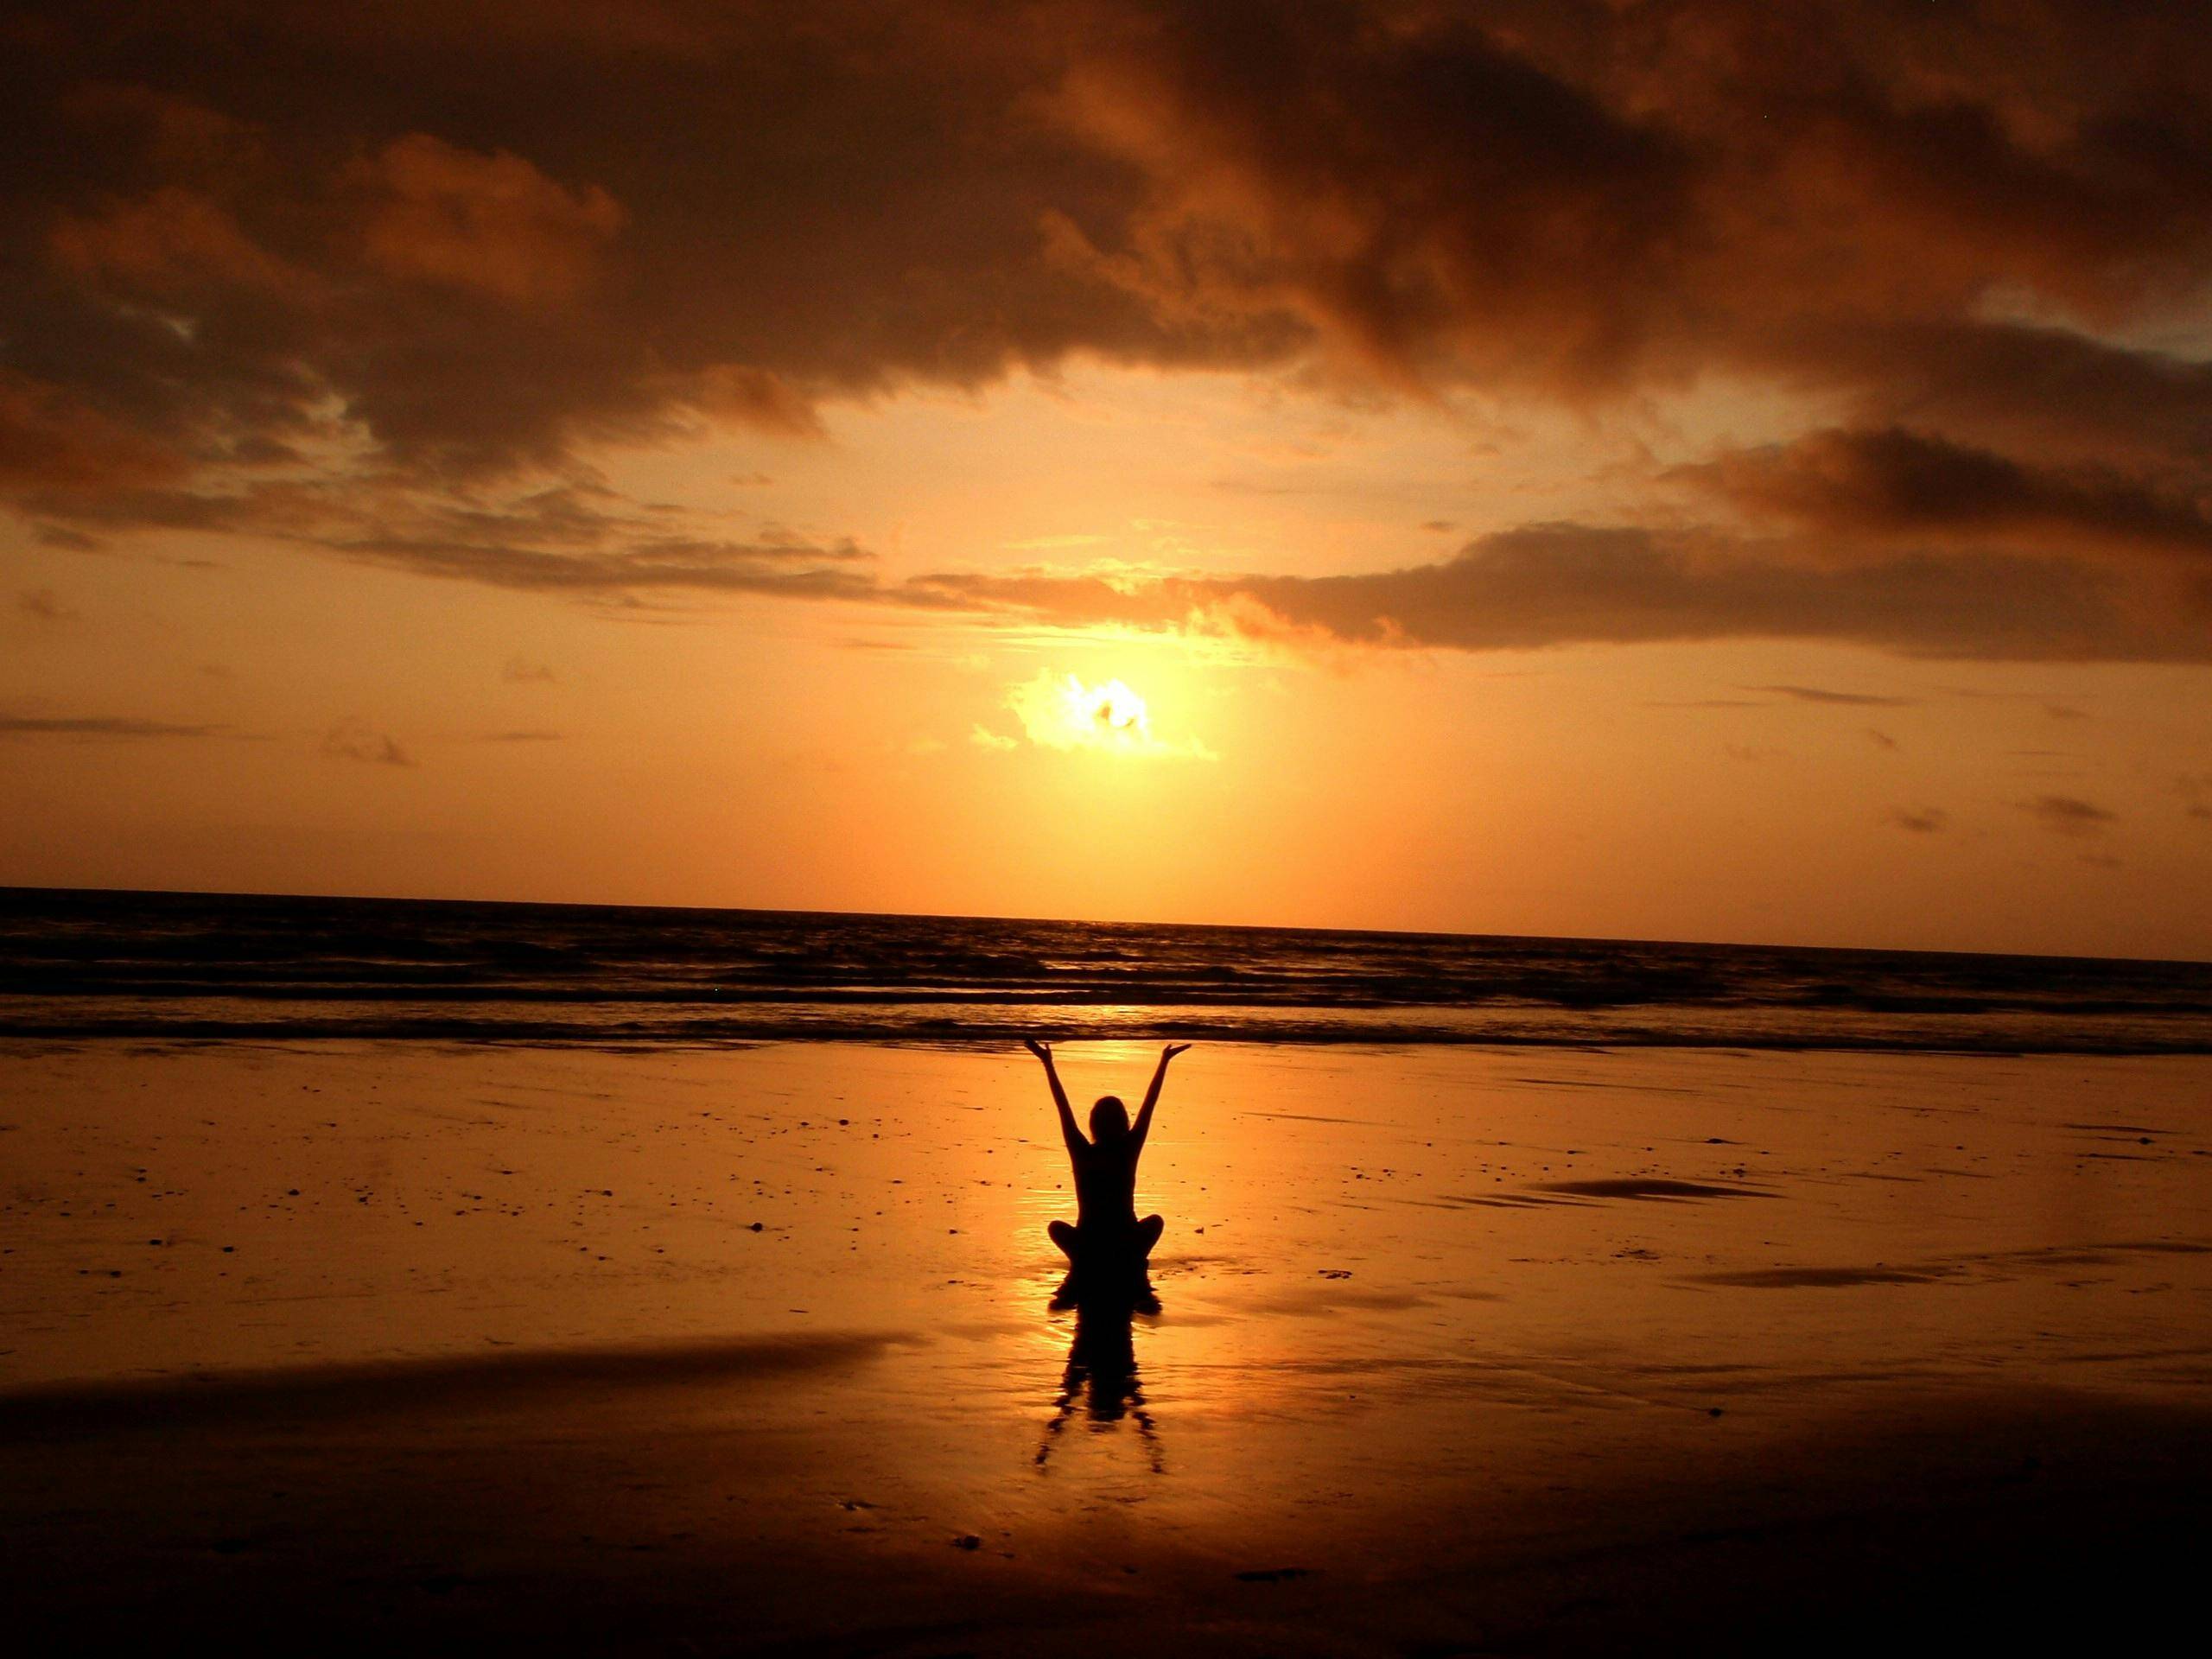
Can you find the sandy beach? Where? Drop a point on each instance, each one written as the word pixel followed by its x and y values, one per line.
pixel 378 1344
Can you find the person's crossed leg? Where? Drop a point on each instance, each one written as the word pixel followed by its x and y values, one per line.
pixel 1141 1241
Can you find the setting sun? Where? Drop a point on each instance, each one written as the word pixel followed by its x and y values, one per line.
pixel 1110 715
pixel 1062 711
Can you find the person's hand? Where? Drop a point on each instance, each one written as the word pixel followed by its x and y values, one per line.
pixel 1171 1052
pixel 1042 1051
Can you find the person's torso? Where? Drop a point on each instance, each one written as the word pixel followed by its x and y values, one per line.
pixel 1105 1185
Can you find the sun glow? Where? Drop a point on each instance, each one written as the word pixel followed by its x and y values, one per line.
pixel 1111 710
pixel 1063 712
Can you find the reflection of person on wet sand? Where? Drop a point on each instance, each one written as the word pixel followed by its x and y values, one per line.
pixel 1102 1376
pixel 1107 1235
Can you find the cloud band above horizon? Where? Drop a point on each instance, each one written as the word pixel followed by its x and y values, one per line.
pixel 386 290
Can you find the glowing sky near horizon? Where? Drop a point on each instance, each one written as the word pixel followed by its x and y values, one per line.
pixel 1677 470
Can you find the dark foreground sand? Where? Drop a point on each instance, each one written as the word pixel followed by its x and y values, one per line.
pixel 362 1349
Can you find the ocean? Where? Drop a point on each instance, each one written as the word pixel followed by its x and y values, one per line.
pixel 80 965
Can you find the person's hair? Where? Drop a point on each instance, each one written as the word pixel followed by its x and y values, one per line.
pixel 1110 1119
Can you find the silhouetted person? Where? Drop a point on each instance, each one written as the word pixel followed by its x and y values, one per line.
pixel 1107 1237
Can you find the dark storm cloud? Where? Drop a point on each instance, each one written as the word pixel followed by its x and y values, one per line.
pixel 1923 821
pixel 488 237
pixel 1892 483
pixel 2049 390
pixel 384 253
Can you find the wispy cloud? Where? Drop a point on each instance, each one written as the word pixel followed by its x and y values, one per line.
pixel 2069 815
pixel 1840 699
pixel 1558 584
pixel 100 726
pixel 575 538
pixel 354 739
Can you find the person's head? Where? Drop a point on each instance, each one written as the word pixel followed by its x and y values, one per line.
pixel 1110 1119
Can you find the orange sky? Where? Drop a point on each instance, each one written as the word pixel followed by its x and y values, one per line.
pixel 1678 471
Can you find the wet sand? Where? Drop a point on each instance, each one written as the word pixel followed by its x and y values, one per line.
pixel 355 1346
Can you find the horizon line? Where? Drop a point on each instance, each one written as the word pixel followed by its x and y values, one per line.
pixel 8 889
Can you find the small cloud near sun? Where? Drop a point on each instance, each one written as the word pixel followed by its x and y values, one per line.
pixel 1059 711
pixel 353 739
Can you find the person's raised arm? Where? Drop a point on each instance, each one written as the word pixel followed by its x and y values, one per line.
pixel 1068 1133
pixel 1152 1095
